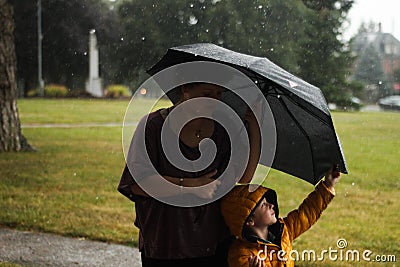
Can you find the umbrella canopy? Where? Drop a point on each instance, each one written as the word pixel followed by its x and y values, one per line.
pixel 307 144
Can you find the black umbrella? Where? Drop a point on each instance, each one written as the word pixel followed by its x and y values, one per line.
pixel 307 144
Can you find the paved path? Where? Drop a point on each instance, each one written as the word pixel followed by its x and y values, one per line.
pixel 40 249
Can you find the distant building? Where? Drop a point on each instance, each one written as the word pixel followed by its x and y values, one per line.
pixel 386 46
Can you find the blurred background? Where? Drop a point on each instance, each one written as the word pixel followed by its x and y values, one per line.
pixel 352 56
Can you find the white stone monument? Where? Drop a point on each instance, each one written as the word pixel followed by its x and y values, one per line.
pixel 93 84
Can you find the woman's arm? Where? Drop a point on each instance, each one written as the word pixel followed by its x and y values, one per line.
pixel 165 186
pixel 255 147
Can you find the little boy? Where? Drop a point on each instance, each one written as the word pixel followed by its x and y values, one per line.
pixel 262 238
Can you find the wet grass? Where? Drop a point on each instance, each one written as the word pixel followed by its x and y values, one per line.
pixel 9 264
pixel 69 185
pixel 78 111
pixel 40 111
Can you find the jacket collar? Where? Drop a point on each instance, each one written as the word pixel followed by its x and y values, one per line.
pixel 273 236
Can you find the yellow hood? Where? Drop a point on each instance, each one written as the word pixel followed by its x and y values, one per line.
pixel 239 203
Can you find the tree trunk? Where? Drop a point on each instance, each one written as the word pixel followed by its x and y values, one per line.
pixel 11 138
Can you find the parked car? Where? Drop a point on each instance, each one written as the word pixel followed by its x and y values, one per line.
pixel 390 102
pixel 353 104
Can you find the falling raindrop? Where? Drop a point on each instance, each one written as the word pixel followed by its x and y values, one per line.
pixel 191 5
pixel 143 38
pixel 352 183
pixel 85 53
pixel 74 173
pixel 193 20
pixel 271 49
pixel 122 38
pixel 260 7
pixel 207 30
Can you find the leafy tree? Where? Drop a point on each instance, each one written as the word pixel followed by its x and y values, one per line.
pixel 66 26
pixel 369 69
pixel 325 59
pixel 135 34
pixel 267 28
pixel 26 41
pixel 11 138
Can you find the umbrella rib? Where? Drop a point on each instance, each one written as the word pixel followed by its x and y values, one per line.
pixel 277 94
pixel 303 132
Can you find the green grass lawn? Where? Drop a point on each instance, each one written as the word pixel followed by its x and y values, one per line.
pixel 69 185
pixel 7 264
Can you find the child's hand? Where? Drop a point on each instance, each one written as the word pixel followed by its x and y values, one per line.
pixel 332 177
pixel 254 261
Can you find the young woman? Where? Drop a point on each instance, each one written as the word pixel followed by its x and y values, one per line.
pixel 182 236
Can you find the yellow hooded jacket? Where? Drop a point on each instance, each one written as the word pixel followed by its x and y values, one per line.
pixel 238 204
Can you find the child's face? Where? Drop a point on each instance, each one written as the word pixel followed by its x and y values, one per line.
pixel 264 214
